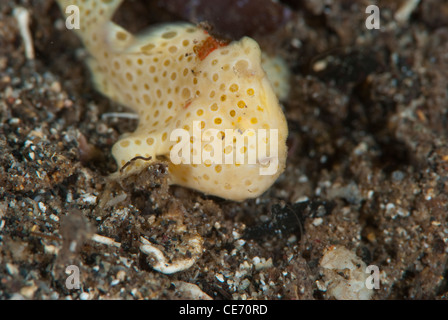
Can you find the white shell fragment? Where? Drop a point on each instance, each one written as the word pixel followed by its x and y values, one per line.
pixel 345 275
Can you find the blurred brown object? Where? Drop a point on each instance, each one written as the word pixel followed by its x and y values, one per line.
pixel 233 18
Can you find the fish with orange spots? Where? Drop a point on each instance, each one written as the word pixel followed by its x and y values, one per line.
pixel 179 79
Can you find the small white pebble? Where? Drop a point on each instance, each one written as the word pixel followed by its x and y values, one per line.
pixel 114 282
pixel 317 222
pixel 28 291
pixel 219 277
pixel 56 86
pixel 84 296
pixel 302 199
pixel 296 43
pixel 320 65
pixel 89 198
pixel 73 246
pixel 429 194
pixel 321 286
pixel 390 207
pixel 240 243
pixel 42 207
pixel 12 269
pixel 51 249
pixel 361 149
pixel 121 275
pixel 236 235
pixel 244 284
pixel 262 263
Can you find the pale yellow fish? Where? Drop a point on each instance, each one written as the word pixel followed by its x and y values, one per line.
pixel 176 76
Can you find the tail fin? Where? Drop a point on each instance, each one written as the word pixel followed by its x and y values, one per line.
pixel 95 17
